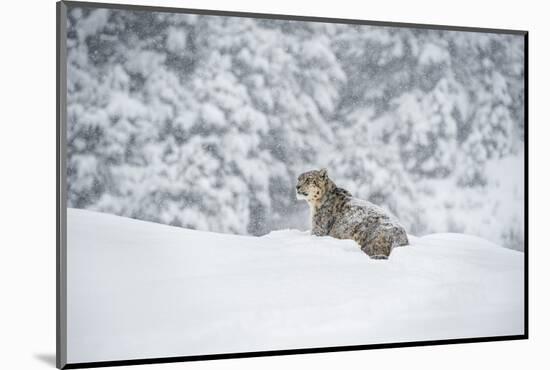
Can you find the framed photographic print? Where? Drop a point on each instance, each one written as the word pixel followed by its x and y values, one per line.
pixel 235 184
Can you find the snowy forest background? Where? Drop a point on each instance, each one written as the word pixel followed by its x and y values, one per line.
pixel 205 122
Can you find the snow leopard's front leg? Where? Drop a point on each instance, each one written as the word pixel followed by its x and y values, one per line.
pixel 317 229
pixel 320 224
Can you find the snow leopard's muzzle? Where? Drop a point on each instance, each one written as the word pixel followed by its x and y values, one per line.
pixel 300 193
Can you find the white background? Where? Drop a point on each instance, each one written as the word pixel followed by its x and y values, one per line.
pixel 27 205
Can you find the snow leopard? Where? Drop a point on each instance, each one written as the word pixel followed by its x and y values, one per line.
pixel 335 212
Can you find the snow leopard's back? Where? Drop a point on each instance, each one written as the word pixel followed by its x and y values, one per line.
pixel 374 229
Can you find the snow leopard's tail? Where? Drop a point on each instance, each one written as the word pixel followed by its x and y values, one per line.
pixel 386 237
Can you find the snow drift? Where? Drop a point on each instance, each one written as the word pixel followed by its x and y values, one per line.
pixel 141 290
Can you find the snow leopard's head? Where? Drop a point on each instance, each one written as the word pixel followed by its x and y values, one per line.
pixel 312 185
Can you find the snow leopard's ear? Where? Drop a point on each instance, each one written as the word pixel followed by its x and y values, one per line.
pixel 323 172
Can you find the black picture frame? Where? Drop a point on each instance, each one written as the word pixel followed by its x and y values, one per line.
pixel 61 184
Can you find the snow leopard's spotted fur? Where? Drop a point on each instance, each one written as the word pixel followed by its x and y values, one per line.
pixel 336 213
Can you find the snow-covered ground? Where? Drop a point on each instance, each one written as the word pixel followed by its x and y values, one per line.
pixel 143 290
